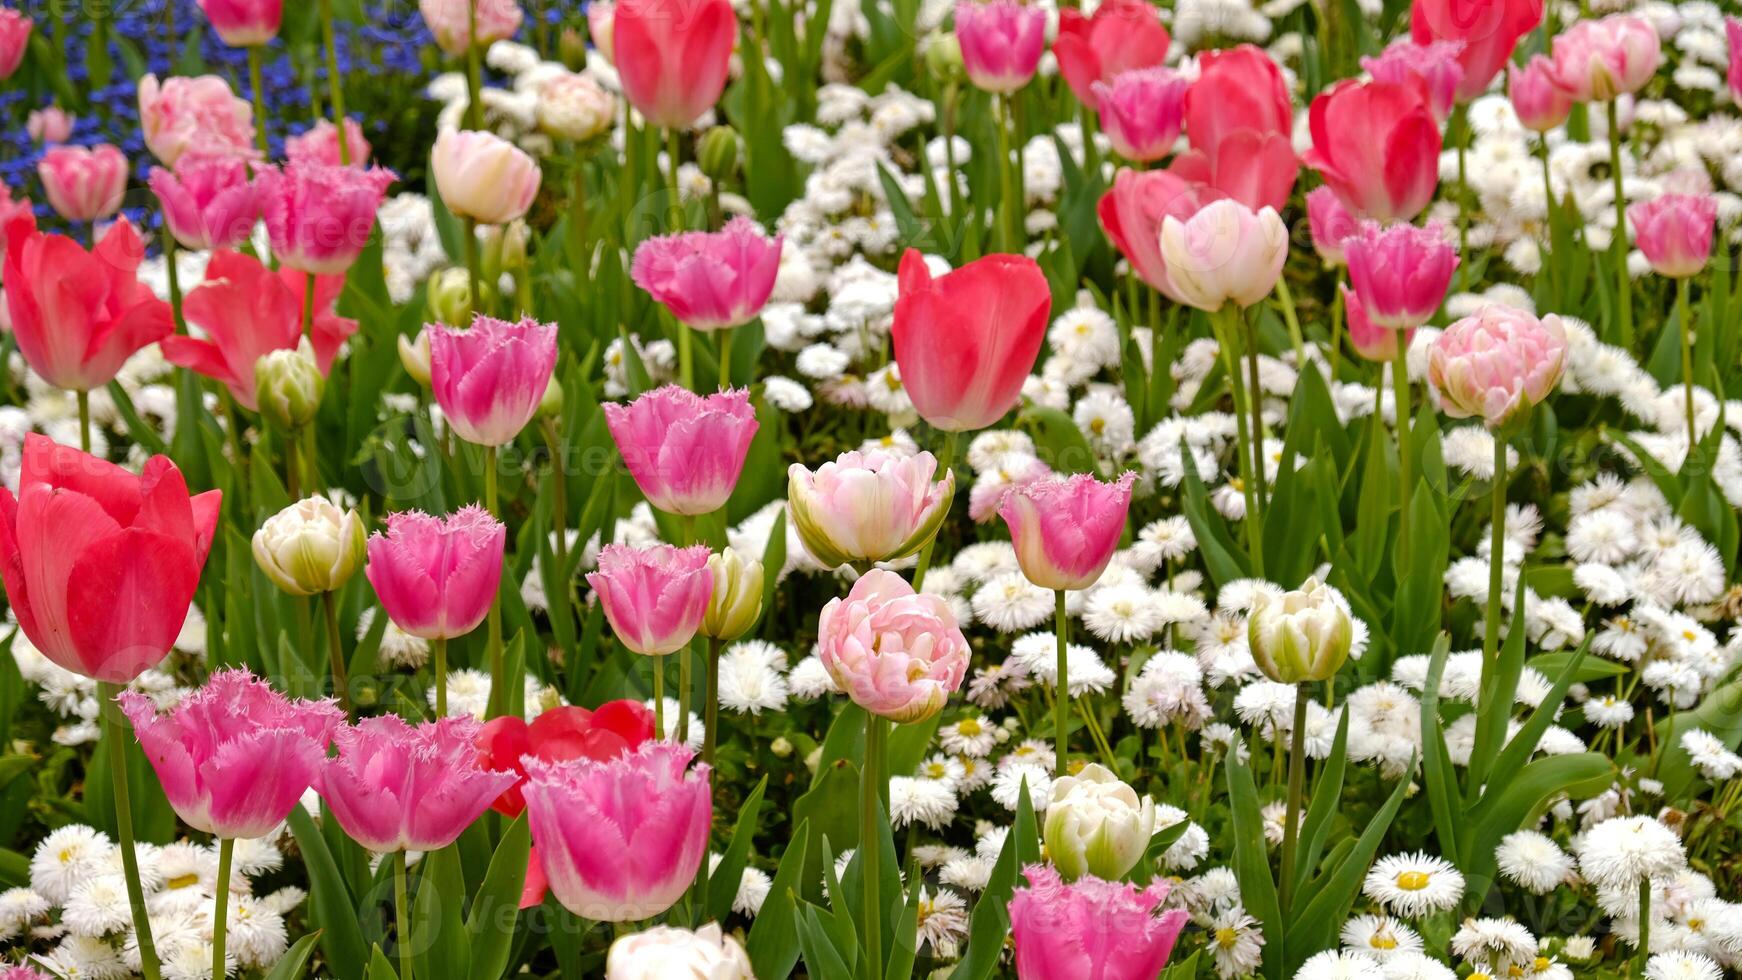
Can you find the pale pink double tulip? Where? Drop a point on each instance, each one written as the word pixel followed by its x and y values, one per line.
pixel 1371 341
pixel 1537 97
pixel 1090 928
pixel 244 23
pixel 1597 60
pixel 320 144
pixel 436 577
pixel 1225 253
pixel 1132 211
pixel 194 113
pixel 1401 272
pixel 207 202
pixel 1487 29
pixel 1330 222
pixel 1120 36
pixel 234 756
pixel 49 125
pixel 865 507
pixel 482 176
pixel 318 217
pixel 966 341
pixel 393 787
pixel 654 597
pixel 14 40
pixel 83 184
pixel 1142 111
pixel 684 450
pixel 672 56
pixel 1378 146
pixel 1675 232
pixel 459 24
pixel 1431 69
pixel 490 377
pixel 1066 528
pixel 710 280
pixel 1497 363
pixel 1002 41
pixel 620 840
pixel 1240 120
pixel 897 653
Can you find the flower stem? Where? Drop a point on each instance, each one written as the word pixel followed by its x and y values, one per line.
pixel 1687 327
pixel 402 915
pixel 1405 452
pixel 116 735
pixel 1255 397
pixel 336 84
pixel 1548 214
pixel 1623 282
pixel 946 460
pixel 683 695
pixel 256 91
pixel 221 901
pixel 659 729
pixel 1292 319
pixel 870 850
pixel 1337 315
pixel 474 73
pixel 84 399
pixel 1642 952
pixel 1223 322
pixel 498 690
pixel 308 305
pixel 711 711
pixel 474 267
pixel 1460 131
pixel 441 676
pixel 341 683
pixel 174 274
pixel 1061 702
pixel 1296 780
pixel 725 357
pixel 1496 559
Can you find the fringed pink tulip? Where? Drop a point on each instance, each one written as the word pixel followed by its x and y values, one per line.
pixel 1066 529
pixel 1488 30
pixel 672 56
pixel 490 377
pixel 1002 41
pixel 320 144
pixel 49 125
pixel 14 40
pixel 244 23
pixel 1132 211
pixel 1497 363
pixel 1331 222
pixel 684 450
pixel 1240 120
pixel 1675 232
pixel 1597 60
pixel 620 840
pixel 393 787
pixel 1122 35
pixel 654 597
pixel 1431 69
pixel 1142 111
pixel 460 24
pixel 235 756
pixel 897 653
pixel 208 202
pixel 710 280
pixel 100 564
pixel 865 507
pixel 1378 146
pixel 966 340
pixel 482 176
pixel 319 217
pixel 194 114
pixel 1401 272
pixel 436 577
pixel 1371 341
pixel 83 184
pixel 1537 96
pixel 1223 254
pixel 1090 928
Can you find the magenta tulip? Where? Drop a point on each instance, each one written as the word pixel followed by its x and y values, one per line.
pixel 1002 41
pixel 897 653
pixel 710 280
pixel 1487 29
pixel 1378 146
pixel 1090 928
pixel 436 577
pixel 1331 222
pixel 319 217
pixel 1066 528
pixel 654 597
pixel 244 23
pixel 1733 34
pixel 1675 232
pixel 672 56
pixel 83 184
pixel 393 787
pixel 490 377
pixel 1497 363
pixel 1400 272
pixel 207 202
pixel 1537 96
pixel 1371 341
pixel 1120 36
pixel 1142 111
pixel 1431 69
pixel 684 450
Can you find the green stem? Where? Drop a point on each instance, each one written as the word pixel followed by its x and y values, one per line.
pixel 292 482
pixel 711 711
pixel 1296 780
pixel 1643 952
pixel 1405 450
pixel 1460 128
pixel 1496 560
pixel 474 71
pixel 1255 398
pixel 1006 184
pixel 559 499
pixel 308 305
pixel 870 853
pixel 946 460
pixel 256 92
pixel 1548 217
pixel 683 695
pixel 174 274
pixel 336 84
pixel 498 687
pixel 578 214
pixel 1224 323
pixel 659 729
pixel 1337 315
pixel 402 916
pixel 1290 317
pixel 1623 282
pixel 1687 327
pixel 474 266
pixel 725 358
pixel 441 676
pixel 1061 701
pixel 116 734
pixel 221 901
pixel 84 399
pixel 341 683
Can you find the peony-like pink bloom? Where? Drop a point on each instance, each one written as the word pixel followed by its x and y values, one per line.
pixel 453 21
pixel 684 450
pixel 1090 928
pixel 247 311
pixel 654 597
pixel 490 377
pixel 1002 41
pixel 1132 211
pixel 1431 69
pixel 1120 36
pixel 319 217
pixel 1497 363
pixel 897 653
pixel 244 23
pixel 1537 96
pixel 194 113
pixel 672 56
pixel 620 840
pixel 1675 232
pixel 320 144
pixel 234 756
pixel 1378 146
pixel 1597 60
pixel 482 176
pixel 1488 30
pixel 436 577
pixel 83 184
pixel 865 507
pixel 1401 272
pixel 1331 222
pixel 49 125
pixel 710 280
pixel 1142 111
pixel 1240 121
pixel 1225 253
pixel 393 787
pixel 1371 341
pixel 14 40
pixel 207 202
pixel 1066 529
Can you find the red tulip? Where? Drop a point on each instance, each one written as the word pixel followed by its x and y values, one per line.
pixel 1489 29
pixel 672 56
pixel 1133 209
pixel 966 340
pixel 1239 119
pixel 1378 146
pixel 1122 35
pixel 99 564
pixel 558 735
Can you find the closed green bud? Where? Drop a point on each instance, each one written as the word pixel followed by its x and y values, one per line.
pixel 449 296
pixel 1300 636
pixel 571 48
pixel 310 547
pixel 943 57
pixel 718 153
pixel 288 386
pixel 551 405
pixel 514 241
pixel 737 597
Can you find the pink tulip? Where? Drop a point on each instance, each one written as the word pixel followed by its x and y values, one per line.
pixel 482 176
pixel 197 113
pixel 14 40
pixel 1090 928
pixel 654 597
pixel 490 377
pixel 453 23
pixel 1597 60
pixel 320 144
pixel 13 210
pixel 1002 41
pixel 1066 529
pixel 1122 35
pixel 436 577
pixel 235 756
pixel 1330 222
pixel 1132 212
pixel 1142 111
pixel 684 450
pixel 601 25
pixel 207 202
pixel 78 316
pixel 1733 34
pixel 1497 363
pixel 865 507
pixel 1537 96
pixel 672 56
pixel 49 125
pixel 319 217
pixel 23 973
pixel 1371 341
pixel 966 340
pixel 710 280
pixel 393 787
pixel 1400 272
pixel 1489 30
pixel 1223 254
pixel 1675 232
pixel 897 653
pixel 1378 146
pixel 247 311
pixel 623 839
pixel 244 23
pixel 1431 69
pixel 1239 119
pixel 83 184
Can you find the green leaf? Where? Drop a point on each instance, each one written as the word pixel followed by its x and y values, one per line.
pixel 1327 794
pixel 441 938
pixel 1444 798
pixel 1720 714
pixel 331 907
pixel 1222 557
pixel 1315 928
pixel 495 911
pixel 291 965
pixel 723 881
pixel 1252 864
pixel 773 942
pixel 1498 691
pixel 1516 803
pixel 822 958
pixel 1057 440
pixel 904 945
pixel 379 966
pixel 990 923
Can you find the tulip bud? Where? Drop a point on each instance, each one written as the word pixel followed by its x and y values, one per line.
pixel 737 597
pixel 571 49
pixel 310 547
pixel 288 386
pixel 1302 635
pixel 449 300
pixel 1097 825
pixel 718 153
pixel 943 57
pixel 551 405
pixel 414 356
pixel 514 245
